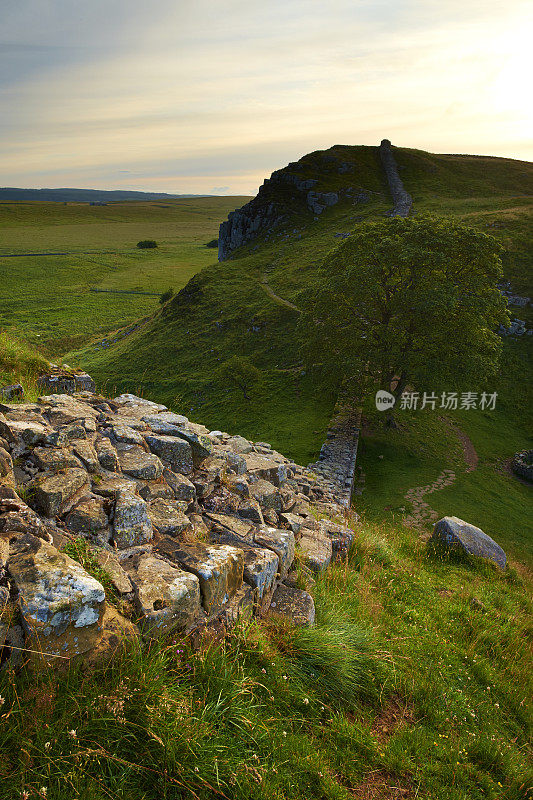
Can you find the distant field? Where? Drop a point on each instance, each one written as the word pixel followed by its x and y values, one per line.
pixel 48 298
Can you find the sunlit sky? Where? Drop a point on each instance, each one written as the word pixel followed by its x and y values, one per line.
pixel 205 96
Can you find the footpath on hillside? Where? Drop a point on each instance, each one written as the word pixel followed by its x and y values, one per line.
pixel 422 511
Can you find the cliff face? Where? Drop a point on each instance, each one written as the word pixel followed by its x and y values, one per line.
pixel 289 194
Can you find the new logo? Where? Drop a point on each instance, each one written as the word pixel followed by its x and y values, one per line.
pixel 384 400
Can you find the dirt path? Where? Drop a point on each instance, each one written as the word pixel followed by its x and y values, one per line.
pixel 272 294
pixel 422 511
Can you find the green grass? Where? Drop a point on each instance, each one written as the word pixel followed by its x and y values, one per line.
pixel 19 362
pixel 49 298
pixel 417 675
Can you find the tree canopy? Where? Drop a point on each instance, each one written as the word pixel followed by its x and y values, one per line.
pixel 408 301
pixel 239 372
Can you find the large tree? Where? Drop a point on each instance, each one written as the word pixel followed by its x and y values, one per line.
pixel 408 302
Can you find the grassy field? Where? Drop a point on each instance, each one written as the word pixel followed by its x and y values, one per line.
pixel 413 684
pixel 48 298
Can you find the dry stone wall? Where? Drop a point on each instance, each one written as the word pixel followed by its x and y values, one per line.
pixel 190 526
pixel 402 199
pixel 338 455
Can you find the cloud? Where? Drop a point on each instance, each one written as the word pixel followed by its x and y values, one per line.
pixel 186 92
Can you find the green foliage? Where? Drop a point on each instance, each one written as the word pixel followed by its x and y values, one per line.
pixel 416 672
pixel 414 299
pixel 166 296
pixel 213 243
pixel 147 244
pixel 240 373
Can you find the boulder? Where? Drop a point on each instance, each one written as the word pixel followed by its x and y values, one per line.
pixel 140 464
pixel 52 493
pixel 61 604
pixel 240 445
pixel 7 476
pixel 294 604
pixel 131 524
pixel 201 445
pixel 111 484
pixel 219 569
pixel 455 534
pixel 167 597
pixel 173 451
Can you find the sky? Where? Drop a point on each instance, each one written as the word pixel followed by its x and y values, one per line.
pixel 209 97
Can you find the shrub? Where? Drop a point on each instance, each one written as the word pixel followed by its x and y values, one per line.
pixel 212 243
pixel 165 297
pixel 146 244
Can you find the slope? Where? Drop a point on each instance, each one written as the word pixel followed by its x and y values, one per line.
pixel 228 309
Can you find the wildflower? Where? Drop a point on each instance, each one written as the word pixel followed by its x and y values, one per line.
pixel 264 671
pixel 24 795
pixel 196 769
pixel 47 745
pixel 285 678
pixel 497 705
pixel 72 734
pixel 285 733
pixel 2 700
pixel 43 790
pixel 306 701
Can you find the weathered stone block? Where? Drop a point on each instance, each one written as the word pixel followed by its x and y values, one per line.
pixel 280 541
pixel 174 451
pixel 168 517
pixel 107 455
pixel 140 464
pixel 295 604
pixel 52 493
pixel 167 597
pixel 266 494
pixel 182 488
pixel 61 605
pixel 131 524
pixel 316 548
pixel 218 567
pixel 54 458
pixel 88 516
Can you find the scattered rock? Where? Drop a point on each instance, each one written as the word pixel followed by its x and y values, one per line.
pixel 293 603
pixel 456 534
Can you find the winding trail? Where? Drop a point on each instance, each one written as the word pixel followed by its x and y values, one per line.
pixel 277 299
pixel 422 511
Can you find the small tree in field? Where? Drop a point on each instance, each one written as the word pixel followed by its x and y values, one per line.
pixel 146 244
pixel 240 373
pixel 408 302
pixel 166 296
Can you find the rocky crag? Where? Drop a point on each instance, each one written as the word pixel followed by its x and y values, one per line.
pixel 402 199
pixel 189 526
pixel 289 197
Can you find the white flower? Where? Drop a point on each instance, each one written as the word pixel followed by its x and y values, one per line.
pixel 47 745
pixel 284 733
pixel 2 700
pixel 264 671
pixel 306 701
pixel 72 734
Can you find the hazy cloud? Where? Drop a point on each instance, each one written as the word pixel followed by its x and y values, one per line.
pixel 172 94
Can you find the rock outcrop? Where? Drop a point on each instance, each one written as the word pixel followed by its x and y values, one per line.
pixel 402 200
pixel 189 526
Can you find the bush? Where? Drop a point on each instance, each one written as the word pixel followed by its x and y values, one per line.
pixel 146 244
pixel 165 297
pixel 212 243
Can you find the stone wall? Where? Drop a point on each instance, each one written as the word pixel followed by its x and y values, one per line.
pixel 338 455
pixel 402 200
pixel 192 527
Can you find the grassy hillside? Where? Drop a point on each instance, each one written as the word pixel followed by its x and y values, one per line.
pixel 236 306
pixel 50 298
pixel 413 685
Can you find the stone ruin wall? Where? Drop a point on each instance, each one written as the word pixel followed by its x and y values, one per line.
pixel 401 198
pixel 192 527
